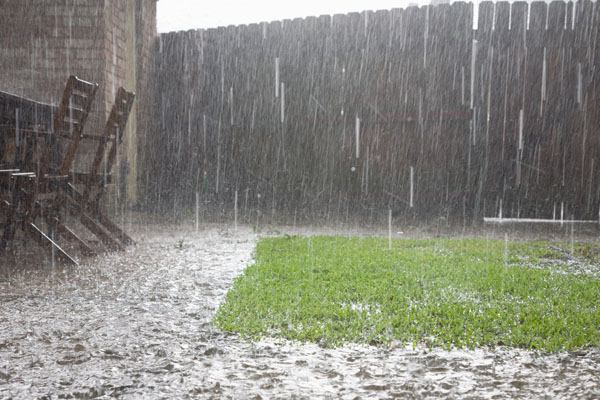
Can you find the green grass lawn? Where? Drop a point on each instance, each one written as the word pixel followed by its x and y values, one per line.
pixel 438 292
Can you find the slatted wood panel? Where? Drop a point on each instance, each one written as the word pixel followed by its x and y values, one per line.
pixel 505 114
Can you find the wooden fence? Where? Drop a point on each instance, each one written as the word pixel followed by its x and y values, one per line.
pixel 422 110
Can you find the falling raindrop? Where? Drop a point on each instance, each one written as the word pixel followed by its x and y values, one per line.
pixel 231 104
pixel 366 170
pixel 474 125
pixel 197 210
pixel 506 249
pixel 189 120
pixel 357 133
pixel 390 229
pixel 218 158
pixel 426 36
pixel 235 210
pixel 572 235
pixel 544 77
pixel 462 85
pixel 412 175
pixel 17 143
pixel 222 80
pixel 117 172
pixel 276 77
pixel 579 84
pixel 204 137
pixel 53 254
pixel 521 127
pixel 282 102
pixel 500 211
pixel 473 58
pixel 246 203
pixel 590 184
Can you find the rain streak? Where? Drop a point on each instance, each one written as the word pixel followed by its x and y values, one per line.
pixel 140 170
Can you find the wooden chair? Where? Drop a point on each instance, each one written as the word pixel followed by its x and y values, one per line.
pixel 37 184
pixel 49 173
pixel 85 202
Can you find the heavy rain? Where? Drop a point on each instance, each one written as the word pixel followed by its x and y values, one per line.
pixel 140 171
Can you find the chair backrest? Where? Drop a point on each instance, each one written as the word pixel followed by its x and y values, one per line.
pixel 113 133
pixel 72 114
pixel 117 121
pixel 69 120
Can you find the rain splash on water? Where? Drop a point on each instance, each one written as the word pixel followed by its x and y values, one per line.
pixel 138 324
pixel 325 116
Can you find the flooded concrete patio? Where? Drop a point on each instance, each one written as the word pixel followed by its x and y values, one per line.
pixel 137 324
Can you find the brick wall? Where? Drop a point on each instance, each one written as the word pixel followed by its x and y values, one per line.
pixel 145 28
pixel 41 45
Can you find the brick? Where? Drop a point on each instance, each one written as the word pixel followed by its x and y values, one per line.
pixel 81 43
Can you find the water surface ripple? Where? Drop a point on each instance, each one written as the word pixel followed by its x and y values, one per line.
pixel 136 324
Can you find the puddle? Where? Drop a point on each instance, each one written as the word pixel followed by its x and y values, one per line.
pixel 136 324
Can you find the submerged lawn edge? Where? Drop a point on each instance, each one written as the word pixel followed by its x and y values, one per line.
pixel 439 292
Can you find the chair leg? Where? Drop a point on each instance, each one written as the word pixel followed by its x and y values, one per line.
pixel 44 241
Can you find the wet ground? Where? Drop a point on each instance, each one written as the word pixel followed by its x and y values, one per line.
pixel 137 325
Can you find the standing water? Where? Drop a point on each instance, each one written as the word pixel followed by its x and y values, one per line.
pixel 137 324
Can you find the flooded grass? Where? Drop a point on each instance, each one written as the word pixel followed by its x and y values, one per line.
pixel 435 292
